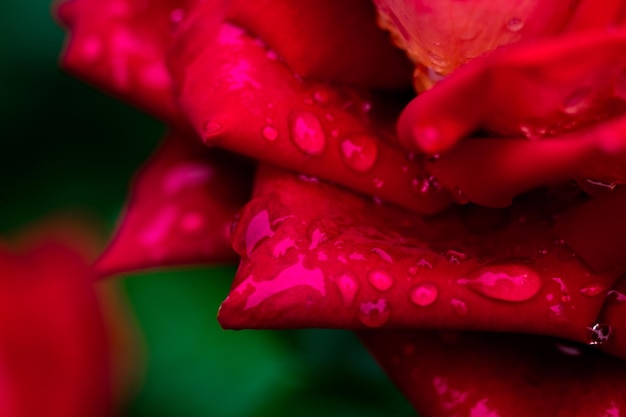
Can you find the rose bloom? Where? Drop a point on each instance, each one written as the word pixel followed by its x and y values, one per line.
pixel 443 177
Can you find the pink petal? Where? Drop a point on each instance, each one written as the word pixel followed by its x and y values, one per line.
pixel 181 208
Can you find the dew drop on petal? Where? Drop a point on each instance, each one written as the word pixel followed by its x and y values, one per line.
pixel 577 102
pixel 347 287
pixel 359 153
pixel 374 313
pixel 556 313
pixel 599 333
pixel 514 24
pixel 459 306
pixel 505 282
pixel 380 279
pixel 258 229
pixel 424 294
pixel 269 132
pixel 592 290
pixel 307 132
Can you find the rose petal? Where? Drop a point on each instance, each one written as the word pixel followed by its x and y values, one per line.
pixel 254 105
pixel 490 375
pixel 181 208
pixel 534 89
pixel 316 256
pixel 120 47
pixel 53 348
pixel 327 40
pixel 493 171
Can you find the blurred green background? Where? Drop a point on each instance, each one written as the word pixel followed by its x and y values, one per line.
pixel 66 146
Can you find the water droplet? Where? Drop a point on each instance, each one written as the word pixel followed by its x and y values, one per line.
pixel 424 294
pixel 382 255
pixel 592 290
pixel 307 132
pixel 321 96
pixel 258 229
pixel 425 185
pixel 577 102
pixel 210 129
pixel 514 24
pixel 459 306
pixel 556 313
pixel 270 133
pixel 381 280
pixel 378 183
pixel 177 15
pixel 374 313
pixel 359 153
pixel 506 282
pixel 599 333
pixel 615 297
pixel 438 62
pixel 459 196
pixel 565 296
pixel 347 287
pixel 533 132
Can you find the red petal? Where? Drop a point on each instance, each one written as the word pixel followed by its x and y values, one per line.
pixel 489 375
pixel 317 256
pixel 536 89
pixel 120 47
pixel 181 209
pixel 493 171
pixel 53 348
pixel 254 105
pixel 328 40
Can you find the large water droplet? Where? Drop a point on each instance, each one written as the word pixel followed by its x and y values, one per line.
pixel 577 102
pixel 359 153
pixel 307 132
pixel 506 282
pixel 424 294
pixel 270 133
pixel 514 24
pixel 381 280
pixel 599 333
pixel 374 313
pixel 258 229
pixel 592 290
pixel 347 287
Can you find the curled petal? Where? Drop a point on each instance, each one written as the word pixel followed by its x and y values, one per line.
pixel 120 47
pixel 533 90
pixel 254 105
pixel 499 375
pixel 328 40
pixel 317 256
pixel 493 171
pixel 181 208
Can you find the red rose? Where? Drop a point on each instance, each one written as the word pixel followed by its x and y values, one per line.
pixel 352 226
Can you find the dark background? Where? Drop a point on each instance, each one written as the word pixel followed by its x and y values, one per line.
pixel 66 147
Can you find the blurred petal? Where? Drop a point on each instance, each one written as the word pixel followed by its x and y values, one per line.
pixel 254 105
pixel 533 90
pixel 329 40
pixel 317 256
pixel 120 47
pixel 53 348
pixel 181 208
pixel 499 375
